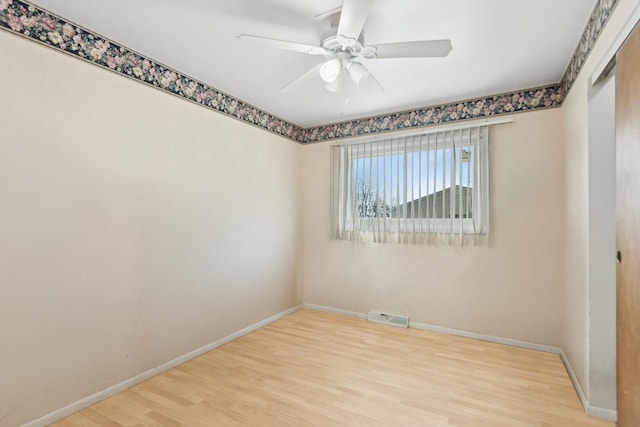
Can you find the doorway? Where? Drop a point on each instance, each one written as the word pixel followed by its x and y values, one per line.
pixel 602 245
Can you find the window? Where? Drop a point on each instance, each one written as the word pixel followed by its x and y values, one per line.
pixel 421 188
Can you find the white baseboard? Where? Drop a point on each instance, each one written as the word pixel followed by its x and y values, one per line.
pixel 602 413
pixel 574 381
pixel 332 310
pixel 117 388
pixel 591 410
pixel 490 338
pixel 449 331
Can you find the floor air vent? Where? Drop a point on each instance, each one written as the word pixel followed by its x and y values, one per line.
pixel 388 319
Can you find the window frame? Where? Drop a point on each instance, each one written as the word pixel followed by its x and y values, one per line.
pixel 454 140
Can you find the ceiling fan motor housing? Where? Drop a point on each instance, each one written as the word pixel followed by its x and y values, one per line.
pixel 334 43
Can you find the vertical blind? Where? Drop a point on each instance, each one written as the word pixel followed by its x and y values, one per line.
pixel 424 188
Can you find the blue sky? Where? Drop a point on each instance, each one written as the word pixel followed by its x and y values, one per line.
pixel 388 172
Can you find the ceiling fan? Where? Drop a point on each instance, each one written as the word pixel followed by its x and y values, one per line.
pixel 344 44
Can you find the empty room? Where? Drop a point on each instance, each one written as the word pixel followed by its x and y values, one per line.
pixel 327 213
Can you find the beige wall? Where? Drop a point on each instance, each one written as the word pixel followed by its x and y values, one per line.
pixel 513 289
pixel 134 228
pixel 575 112
pixel 575 330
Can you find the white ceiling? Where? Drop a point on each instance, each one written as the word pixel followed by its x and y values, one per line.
pixel 498 46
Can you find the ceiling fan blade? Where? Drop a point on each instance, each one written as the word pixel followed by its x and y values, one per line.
pixel 327 14
pixel 283 44
pixel 420 49
pixel 371 85
pixel 301 80
pixel 353 16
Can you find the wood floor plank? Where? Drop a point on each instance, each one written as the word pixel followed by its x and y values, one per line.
pixel 314 368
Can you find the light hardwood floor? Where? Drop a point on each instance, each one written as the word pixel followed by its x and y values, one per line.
pixel 320 369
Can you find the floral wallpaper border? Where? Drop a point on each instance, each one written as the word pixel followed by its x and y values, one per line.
pixel 527 100
pixel 598 19
pixel 41 26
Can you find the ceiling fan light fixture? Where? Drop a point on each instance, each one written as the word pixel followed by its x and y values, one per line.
pixel 335 86
pixel 330 70
pixel 358 72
